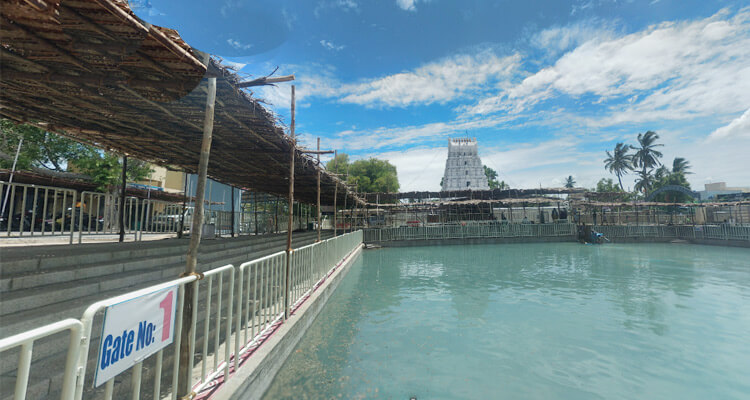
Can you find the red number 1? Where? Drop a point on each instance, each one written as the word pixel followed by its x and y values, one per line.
pixel 166 305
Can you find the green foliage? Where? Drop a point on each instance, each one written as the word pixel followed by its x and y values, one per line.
pixel 338 164
pixel 681 166
pixel 491 177
pixel 43 149
pixel 105 169
pixel 619 162
pixel 570 182
pixel 40 149
pixel 664 177
pixel 607 185
pixel 372 175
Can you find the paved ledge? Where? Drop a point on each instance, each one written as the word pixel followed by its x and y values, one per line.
pixel 254 377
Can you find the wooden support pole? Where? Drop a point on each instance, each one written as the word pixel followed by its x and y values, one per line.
pixel 319 213
pixel 232 187
pixel 121 211
pixel 276 216
pixel 184 205
pixel 335 196
pixel 184 386
pixel 291 216
pixel 255 211
pixel 343 212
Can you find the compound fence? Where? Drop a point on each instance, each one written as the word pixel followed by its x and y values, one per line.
pixel 719 232
pixel 233 311
pixel 470 230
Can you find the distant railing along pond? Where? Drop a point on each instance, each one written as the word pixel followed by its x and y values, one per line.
pixel 516 230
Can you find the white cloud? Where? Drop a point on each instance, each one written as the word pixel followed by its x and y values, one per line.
pixel 739 127
pixel 558 39
pixel 331 46
pixel 446 80
pixel 407 5
pixel 344 5
pixel 234 65
pixel 436 82
pixel 668 71
pixel 239 45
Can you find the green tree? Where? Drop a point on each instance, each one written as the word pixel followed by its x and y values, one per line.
pixel 105 169
pixel 665 177
pixel 681 166
pixel 644 181
pixel 40 149
pixel 503 186
pixel 607 185
pixel 491 177
pixel 338 164
pixel 371 175
pixel 619 162
pixel 646 157
pixel 570 183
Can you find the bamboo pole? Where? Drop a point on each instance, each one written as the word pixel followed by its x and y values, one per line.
pixel 121 211
pixel 291 215
pixel 233 211
pixel 184 205
pixel 319 213
pixel 184 386
pixel 335 197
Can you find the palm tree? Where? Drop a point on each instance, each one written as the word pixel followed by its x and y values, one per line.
pixel 570 182
pixel 619 162
pixel 644 182
pixel 661 173
pixel 680 166
pixel 646 156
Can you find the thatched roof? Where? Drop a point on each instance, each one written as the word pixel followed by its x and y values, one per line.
pixel 93 71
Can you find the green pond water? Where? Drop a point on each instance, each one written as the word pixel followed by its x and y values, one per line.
pixel 531 321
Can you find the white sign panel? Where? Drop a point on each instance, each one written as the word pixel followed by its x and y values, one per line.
pixel 133 330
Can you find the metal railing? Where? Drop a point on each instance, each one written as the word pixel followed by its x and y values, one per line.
pixel 469 231
pixel 225 333
pixel 34 209
pixel 26 342
pixel 717 232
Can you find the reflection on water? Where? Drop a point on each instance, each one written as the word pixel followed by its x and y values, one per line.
pixel 531 321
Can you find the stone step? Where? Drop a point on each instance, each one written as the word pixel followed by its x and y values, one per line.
pixel 30 280
pixel 43 307
pixel 61 257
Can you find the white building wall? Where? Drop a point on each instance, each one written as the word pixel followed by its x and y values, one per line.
pixel 463 168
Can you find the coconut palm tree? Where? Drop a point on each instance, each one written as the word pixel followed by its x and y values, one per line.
pixel 646 156
pixel 619 162
pixel 570 182
pixel 681 166
pixel 644 182
pixel 661 173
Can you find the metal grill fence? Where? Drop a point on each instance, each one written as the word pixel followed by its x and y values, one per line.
pixel 232 312
pixel 509 230
pixel 33 210
pixel 718 232
pixel 469 230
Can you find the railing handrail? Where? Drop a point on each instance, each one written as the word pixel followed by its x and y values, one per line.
pixel 26 341
pixel 307 272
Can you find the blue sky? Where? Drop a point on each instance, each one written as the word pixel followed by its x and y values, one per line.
pixel 545 86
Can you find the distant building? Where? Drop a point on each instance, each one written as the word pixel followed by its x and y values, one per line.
pixel 463 168
pixel 714 190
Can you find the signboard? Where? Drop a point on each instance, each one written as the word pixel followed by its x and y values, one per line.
pixel 133 330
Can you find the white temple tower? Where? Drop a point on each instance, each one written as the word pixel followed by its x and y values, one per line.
pixel 463 168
